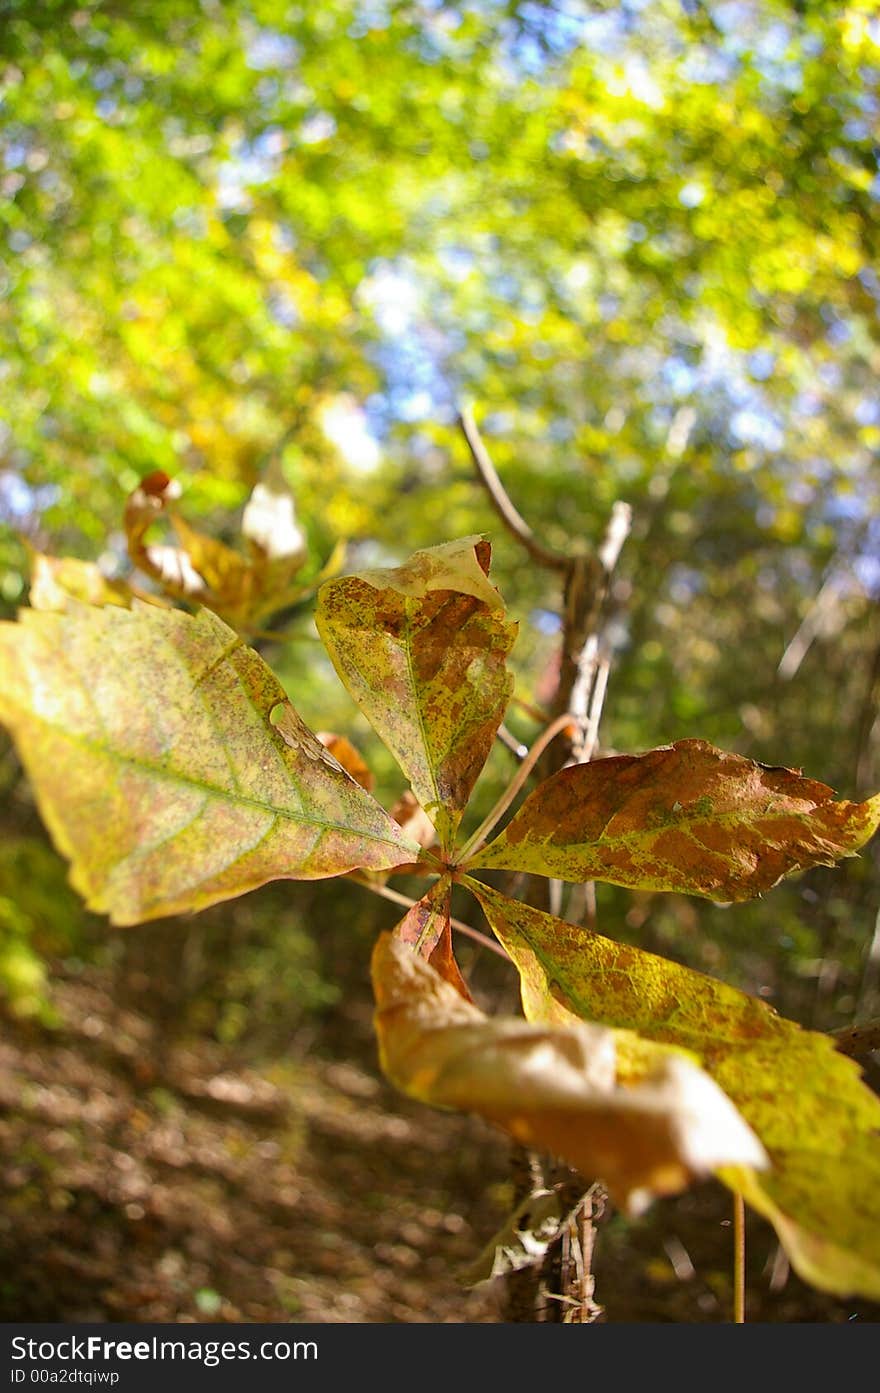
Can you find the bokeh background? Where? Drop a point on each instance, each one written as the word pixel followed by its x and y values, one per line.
pixel 641 240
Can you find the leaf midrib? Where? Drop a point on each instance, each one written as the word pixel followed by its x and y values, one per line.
pixel 188 781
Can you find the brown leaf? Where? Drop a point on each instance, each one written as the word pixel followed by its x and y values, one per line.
pixel 422 648
pixel 684 817
pixel 554 1088
pixel 411 816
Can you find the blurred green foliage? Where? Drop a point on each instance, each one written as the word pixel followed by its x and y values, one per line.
pixel 641 238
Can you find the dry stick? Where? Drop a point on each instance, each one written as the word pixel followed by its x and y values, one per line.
pixel 513 521
pixel 739 1260
pixel 587 582
pixel 582 688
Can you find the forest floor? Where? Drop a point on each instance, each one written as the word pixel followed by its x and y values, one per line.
pixel 168 1185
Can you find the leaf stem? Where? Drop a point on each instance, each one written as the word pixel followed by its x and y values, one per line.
pixel 473 844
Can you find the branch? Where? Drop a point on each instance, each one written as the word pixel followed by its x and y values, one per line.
pixel 513 520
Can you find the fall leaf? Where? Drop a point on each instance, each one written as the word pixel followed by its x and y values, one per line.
pixel 554 1088
pixel 243 589
pixel 817 1119
pixel 422 927
pixel 422 650
pixel 57 580
pixel 427 930
pixel 684 817
pixel 147 738
pixel 412 817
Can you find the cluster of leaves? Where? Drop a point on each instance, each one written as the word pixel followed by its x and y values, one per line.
pixel 174 773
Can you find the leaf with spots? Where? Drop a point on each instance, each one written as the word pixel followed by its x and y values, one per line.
pixel 55 581
pixel 148 737
pixel 685 817
pixel 555 1088
pixel 422 649
pixel 427 930
pixel 807 1103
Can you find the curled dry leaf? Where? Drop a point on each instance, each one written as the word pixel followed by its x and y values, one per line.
pixel 685 817
pixel 243 589
pixel 411 816
pixel 524 1239
pixel 814 1114
pixel 554 1088
pixel 422 649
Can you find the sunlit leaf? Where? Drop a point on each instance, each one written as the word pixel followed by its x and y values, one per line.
pixel 147 737
pixel 817 1119
pixel 684 817
pixel 554 1088
pixel 57 580
pixel 422 650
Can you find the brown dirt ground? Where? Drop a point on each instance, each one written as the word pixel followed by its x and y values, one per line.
pixel 171 1186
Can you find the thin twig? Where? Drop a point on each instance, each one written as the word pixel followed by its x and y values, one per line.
pixel 395 897
pixel 510 742
pixel 739 1260
pixel 512 519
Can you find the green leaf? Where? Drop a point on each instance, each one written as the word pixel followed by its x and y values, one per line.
pixel 817 1119
pixel 422 650
pixel 552 1087
pixel 146 734
pixel 685 817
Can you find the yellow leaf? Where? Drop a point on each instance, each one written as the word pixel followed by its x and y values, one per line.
pixel 816 1118
pixel 147 737
pixel 554 1088
pixel 422 649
